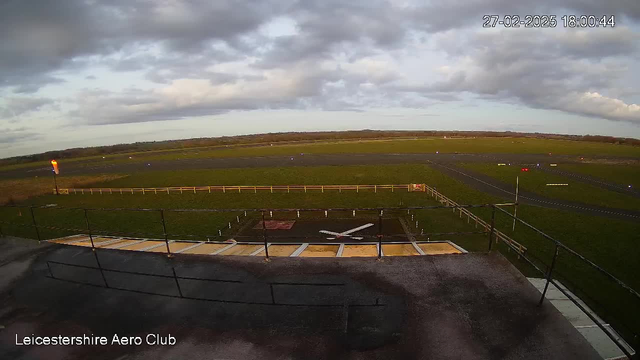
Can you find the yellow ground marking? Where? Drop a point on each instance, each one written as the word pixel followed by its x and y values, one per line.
pixel 280 250
pixel 359 250
pixel 177 246
pixel 96 241
pixel 438 248
pixel 205 249
pixel 241 250
pixel 141 245
pixel 120 243
pixel 160 249
pixel 75 238
pixel 319 251
pixel 399 250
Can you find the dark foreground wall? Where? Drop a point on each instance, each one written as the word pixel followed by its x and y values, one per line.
pixel 471 306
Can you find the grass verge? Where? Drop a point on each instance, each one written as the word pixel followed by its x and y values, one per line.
pixel 536 181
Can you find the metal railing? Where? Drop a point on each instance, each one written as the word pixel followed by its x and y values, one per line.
pixel 378 212
pixel 548 275
pixel 488 227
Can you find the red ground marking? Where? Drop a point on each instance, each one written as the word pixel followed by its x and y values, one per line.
pixel 276 225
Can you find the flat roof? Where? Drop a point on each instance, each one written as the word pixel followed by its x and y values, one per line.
pixel 476 306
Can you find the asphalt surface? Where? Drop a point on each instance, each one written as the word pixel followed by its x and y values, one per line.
pixel 309 231
pixel 495 187
pixel 95 166
pixel 444 162
pixel 471 306
pixel 591 180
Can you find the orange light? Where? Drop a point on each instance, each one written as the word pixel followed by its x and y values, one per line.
pixel 55 167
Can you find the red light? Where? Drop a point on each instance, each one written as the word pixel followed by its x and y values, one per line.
pixel 525 169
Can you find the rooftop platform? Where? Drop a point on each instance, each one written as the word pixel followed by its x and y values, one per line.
pixel 476 306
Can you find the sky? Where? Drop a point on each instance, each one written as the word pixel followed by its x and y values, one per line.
pixel 87 73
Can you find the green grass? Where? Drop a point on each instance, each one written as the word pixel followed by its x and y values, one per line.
pixel 620 174
pixel 423 145
pixel 610 243
pixel 462 145
pixel 535 181
pixel 327 175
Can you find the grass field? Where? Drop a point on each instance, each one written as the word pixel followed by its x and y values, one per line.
pixel 21 189
pixel 535 181
pixel 610 243
pixel 423 145
pixel 624 175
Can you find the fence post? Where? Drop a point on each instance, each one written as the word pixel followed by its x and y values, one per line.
pixel 86 219
pixel 380 235
pixel 264 238
pixel 546 286
pixel 164 231
pixel 35 225
pixel 493 223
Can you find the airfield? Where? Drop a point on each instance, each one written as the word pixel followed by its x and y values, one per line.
pixel 429 246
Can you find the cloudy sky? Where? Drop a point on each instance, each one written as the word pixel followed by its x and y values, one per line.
pixel 84 73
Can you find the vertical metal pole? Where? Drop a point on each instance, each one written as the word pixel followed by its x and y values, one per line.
pixel 164 231
pixel 380 235
pixel 86 219
pixel 175 277
pixel 95 255
pixel 50 272
pixel 553 263
pixel 35 225
pixel 55 182
pixel 264 237
pixel 515 207
pixel 493 224
pixel 273 299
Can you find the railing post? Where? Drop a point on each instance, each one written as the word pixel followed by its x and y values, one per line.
pixel 104 279
pixel 380 235
pixel 493 224
pixel 175 277
pixel 164 231
pixel 264 238
pixel 35 225
pixel 86 219
pixel 553 263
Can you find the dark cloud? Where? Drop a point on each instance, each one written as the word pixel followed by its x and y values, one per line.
pixel 340 56
pixel 541 74
pixel 10 136
pixel 16 106
pixel 38 37
pixel 452 14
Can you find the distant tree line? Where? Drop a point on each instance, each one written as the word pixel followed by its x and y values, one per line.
pixel 289 137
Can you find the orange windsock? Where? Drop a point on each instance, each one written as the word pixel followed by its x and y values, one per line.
pixel 55 167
